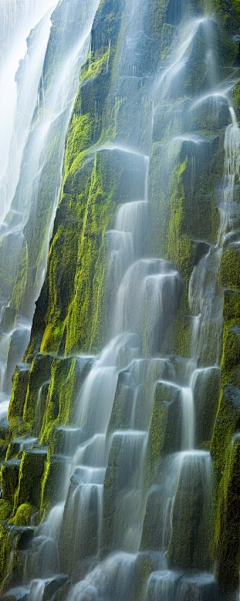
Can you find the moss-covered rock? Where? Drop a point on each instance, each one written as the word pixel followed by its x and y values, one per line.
pixel 192 519
pixel 155 535
pixel 226 424
pixel 5 509
pixel 206 390
pixel 231 356
pixel 5 548
pixel 227 528
pixel 229 274
pixel 166 425
pixel 145 564
pixel 30 475
pixel 9 478
pixel 18 394
pixel 39 374
pixel 52 483
pixel 225 449
pixel 73 312
pixel 23 515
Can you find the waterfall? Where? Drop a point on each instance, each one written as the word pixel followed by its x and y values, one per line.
pixel 124 505
pixel 44 100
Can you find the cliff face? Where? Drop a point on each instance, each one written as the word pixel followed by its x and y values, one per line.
pixel 154 119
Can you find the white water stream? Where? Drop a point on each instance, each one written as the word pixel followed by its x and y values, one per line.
pixel 43 103
pixel 95 533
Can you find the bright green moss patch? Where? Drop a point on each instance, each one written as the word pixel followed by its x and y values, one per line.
pixel 94 65
pixel 83 317
pixel 79 138
pixel 23 515
pixel 30 475
pixel 52 482
pixel 58 402
pixel 19 389
pixel 39 374
pixel 179 244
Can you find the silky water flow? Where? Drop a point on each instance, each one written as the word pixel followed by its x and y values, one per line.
pixel 43 103
pixel 97 532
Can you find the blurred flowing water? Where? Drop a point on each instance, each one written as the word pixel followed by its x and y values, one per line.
pixel 96 534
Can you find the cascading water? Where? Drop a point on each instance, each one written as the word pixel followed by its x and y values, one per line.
pixel 130 501
pixel 31 183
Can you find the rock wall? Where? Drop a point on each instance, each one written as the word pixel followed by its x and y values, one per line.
pixel 123 113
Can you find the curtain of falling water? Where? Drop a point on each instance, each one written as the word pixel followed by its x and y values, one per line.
pixel 104 496
pixel 39 100
pixel 17 19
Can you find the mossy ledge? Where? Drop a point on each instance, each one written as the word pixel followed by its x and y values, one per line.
pixel 71 313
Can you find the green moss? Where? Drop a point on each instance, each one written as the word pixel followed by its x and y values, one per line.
pixel 228 20
pixel 121 411
pixel 61 270
pixel 206 392
pixel 91 263
pixel 165 427
pixel 5 510
pixel 230 362
pixel 79 138
pixel 229 273
pixel 3 449
pixel 196 66
pixel 179 245
pixel 20 282
pixel 23 515
pixel 63 383
pixel 236 8
pixel 94 65
pixel 226 424
pixel 227 535
pixel 30 475
pixel 231 307
pixel 167 35
pixel 192 520
pixel 51 483
pixel 145 564
pixel 9 477
pixel 5 549
pixel 19 389
pixel 181 338
pixel 10 247
pixel 39 374
pixel 236 99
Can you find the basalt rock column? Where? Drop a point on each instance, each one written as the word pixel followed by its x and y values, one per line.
pixel 128 325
